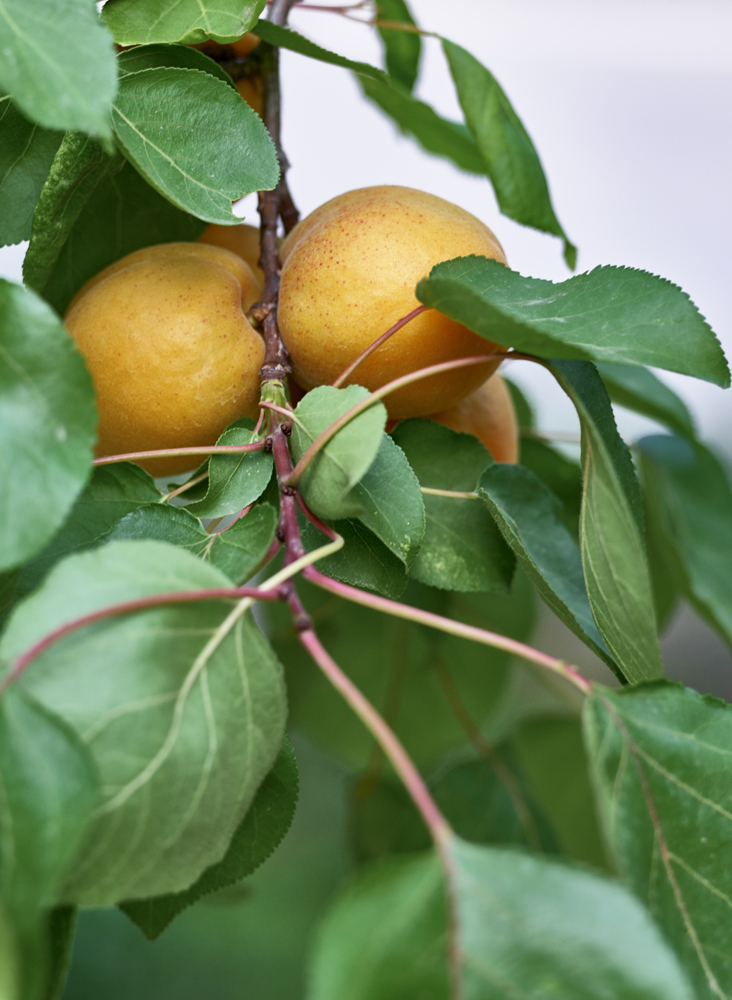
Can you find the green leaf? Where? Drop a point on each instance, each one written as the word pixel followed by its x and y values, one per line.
pixel 135 22
pixel 123 214
pixel 524 411
pixel 61 929
pixel 386 935
pixel 112 492
pixel 661 764
pixel 560 474
pixel 402 48
pixel 611 534
pixel 258 835
pixel 286 38
pixel 510 158
pixel 552 758
pixel 26 154
pixel 237 551
pixel 234 481
pixel 328 482
pixel 194 140
pixel 608 314
pixel 690 504
pixel 437 135
pixel 58 63
pixel 526 512
pixel 79 165
pixel 48 790
pixel 643 392
pixel 48 419
pixel 199 707
pixel 364 561
pixel 182 56
pixel 486 801
pixel 462 548
pixel 390 496
pixel 9 960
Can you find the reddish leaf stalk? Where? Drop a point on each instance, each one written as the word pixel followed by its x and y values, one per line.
pixel 214 449
pixel 377 344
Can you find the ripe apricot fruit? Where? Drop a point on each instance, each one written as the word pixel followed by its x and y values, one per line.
pixel 349 273
pixel 242 46
pixel 251 89
pixel 242 240
pixel 488 414
pixel 172 355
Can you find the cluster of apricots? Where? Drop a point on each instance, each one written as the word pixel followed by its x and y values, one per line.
pixel 174 358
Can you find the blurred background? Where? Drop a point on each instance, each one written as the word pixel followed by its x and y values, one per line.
pixel 629 103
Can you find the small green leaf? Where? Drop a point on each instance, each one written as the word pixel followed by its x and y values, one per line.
pixel 136 22
pixel 123 214
pixel 526 512
pixel 26 154
pixel 258 835
pixel 194 140
pixel 48 790
pixel 661 763
pixel 328 482
pixel 364 560
pixel 638 389
pixel 199 707
pixel 78 167
pixel 560 474
pixel 237 551
pixel 286 38
pixel 437 135
pixel 462 548
pixel 234 481
pixel 611 532
pixel 402 48
pixel 182 56
pixel 511 160
pixel 689 500
pixel 390 496
pixel 58 63
pixel 47 421
pixel 612 314
pixel 554 763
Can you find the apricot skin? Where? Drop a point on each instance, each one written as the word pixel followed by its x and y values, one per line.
pixel 242 240
pixel 488 414
pixel 172 355
pixel 349 273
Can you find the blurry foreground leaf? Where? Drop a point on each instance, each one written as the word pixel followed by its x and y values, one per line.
pixel 26 154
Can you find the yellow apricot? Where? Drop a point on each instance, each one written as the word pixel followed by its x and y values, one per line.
pixel 251 89
pixel 489 414
pixel 171 353
pixel 242 46
pixel 349 273
pixel 242 240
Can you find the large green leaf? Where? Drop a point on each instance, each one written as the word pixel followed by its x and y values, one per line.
pixel 135 22
pixel 437 135
pixel 608 314
pixel 327 484
pixel 198 708
pixel 48 790
pixel 259 834
pixel 661 758
pixel 47 424
pixel 286 38
pixel 562 475
pixel 183 56
pixel 194 139
pixel 238 551
pixel 26 154
pixel 524 927
pixel 689 500
pixel 234 481
pixel 462 548
pixel 391 500
pixel 527 513
pixel 511 160
pixel 402 48
pixel 638 389
pixel 78 166
pixel 123 214
pixel 58 63
pixel 611 532
pixel 363 561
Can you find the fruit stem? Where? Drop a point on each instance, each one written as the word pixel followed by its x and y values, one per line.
pixel 377 343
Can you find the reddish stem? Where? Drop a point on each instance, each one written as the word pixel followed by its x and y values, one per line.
pixel 377 344
pixel 216 449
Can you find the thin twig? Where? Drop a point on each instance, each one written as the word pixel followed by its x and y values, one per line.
pixel 453 494
pixel 377 344
pixel 214 449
